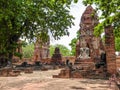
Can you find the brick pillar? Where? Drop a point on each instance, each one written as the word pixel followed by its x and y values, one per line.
pixel 110 50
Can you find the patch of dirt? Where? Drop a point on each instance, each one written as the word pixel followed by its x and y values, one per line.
pixel 42 80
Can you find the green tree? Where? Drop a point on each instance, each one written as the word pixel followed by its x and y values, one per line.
pixel 73 46
pixel 73 43
pixel 52 48
pixel 117 44
pixel 63 50
pixel 29 18
pixel 28 51
pixel 110 14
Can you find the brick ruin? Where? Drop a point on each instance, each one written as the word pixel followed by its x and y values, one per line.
pixel 110 50
pixel 90 51
pixel 57 57
pixel 41 50
pixel 88 46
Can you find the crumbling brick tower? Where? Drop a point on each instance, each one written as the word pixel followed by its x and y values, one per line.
pixel 88 50
pixel 41 50
pixel 110 50
pixel 56 57
pixel 89 45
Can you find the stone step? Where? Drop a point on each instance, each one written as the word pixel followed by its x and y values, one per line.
pixel 76 63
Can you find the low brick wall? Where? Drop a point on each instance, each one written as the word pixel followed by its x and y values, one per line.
pixel 46 60
pixel 70 58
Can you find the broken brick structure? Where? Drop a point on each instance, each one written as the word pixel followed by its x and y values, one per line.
pixel 56 57
pixel 110 50
pixel 88 47
pixel 88 50
pixel 41 50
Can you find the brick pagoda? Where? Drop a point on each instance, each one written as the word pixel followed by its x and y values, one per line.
pixel 56 57
pixel 88 51
pixel 88 46
pixel 41 50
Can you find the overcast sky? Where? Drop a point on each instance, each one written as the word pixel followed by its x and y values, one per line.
pixel 76 10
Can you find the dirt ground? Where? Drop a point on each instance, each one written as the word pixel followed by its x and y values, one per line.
pixel 42 80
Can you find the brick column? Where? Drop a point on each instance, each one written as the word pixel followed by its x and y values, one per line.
pixel 110 50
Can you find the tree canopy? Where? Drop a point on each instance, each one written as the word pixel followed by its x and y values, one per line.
pixel 110 14
pixel 117 44
pixel 29 18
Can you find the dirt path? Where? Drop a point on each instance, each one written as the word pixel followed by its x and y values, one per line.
pixel 42 80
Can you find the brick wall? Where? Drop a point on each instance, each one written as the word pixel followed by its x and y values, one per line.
pixel 110 49
pixel 118 61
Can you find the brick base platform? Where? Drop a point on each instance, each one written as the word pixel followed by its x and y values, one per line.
pixel 6 72
pixel 28 70
pixel 65 73
pixel 83 70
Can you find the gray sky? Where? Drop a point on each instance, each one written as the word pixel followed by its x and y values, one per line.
pixel 76 10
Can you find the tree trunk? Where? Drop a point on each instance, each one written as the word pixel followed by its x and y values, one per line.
pixel 10 59
pixel 14 39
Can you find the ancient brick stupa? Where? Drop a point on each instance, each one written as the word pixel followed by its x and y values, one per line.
pixel 57 57
pixel 88 46
pixel 41 50
pixel 88 50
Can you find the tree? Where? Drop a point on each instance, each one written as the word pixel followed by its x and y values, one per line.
pixel 73 43
pixel 110 10
pixel 28 50
pixel 63 50
pixel 29 18
pixel 73 46
pixel 117 44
